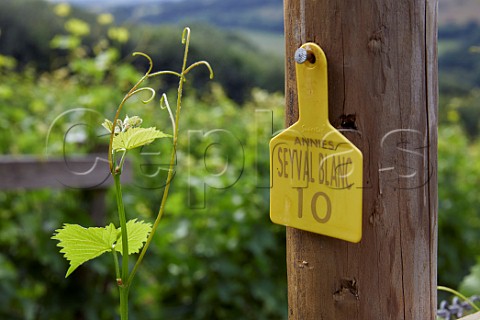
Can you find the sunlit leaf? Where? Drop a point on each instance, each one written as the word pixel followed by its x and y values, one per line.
pixel 81 244
pixel 137 235
pixel 136 137
pixel 107 124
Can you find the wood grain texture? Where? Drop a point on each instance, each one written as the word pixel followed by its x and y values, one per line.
pixel 383 68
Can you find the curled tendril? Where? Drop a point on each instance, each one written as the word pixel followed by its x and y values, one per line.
pixel 163 101
pixel 175 120
pixel 186 36
pixel 164 104
pixel 196 64
pixel 132 92
pixel 152 91
pixel 146 56
pixel 186 42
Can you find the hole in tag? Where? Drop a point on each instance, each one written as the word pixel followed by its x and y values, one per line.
pixel 310 57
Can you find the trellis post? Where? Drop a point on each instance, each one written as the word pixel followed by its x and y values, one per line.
pixel 382 78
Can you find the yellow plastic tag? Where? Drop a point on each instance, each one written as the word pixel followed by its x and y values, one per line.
pixel 315 172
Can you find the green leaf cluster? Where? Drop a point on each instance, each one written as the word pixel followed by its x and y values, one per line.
pixel 80 244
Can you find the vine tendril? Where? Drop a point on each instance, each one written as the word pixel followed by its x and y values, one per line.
pixel 159 73
pixel 164 104
pixel 130 93
pixel 150 61
pixel 163 100
pixel 186 36
pixel 152 91
pixel 196 64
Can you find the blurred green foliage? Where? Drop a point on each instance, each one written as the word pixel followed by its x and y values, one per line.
pixel 240 65
pixel 32 284
pixel 224 260
pixel 216 255
pixel 458 154
pixel 459 221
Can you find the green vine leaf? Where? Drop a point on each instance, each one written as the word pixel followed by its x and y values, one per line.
pixel 137 235
pixel 136 137
pixel 80 244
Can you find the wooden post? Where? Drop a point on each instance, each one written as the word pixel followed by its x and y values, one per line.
pixel 382 65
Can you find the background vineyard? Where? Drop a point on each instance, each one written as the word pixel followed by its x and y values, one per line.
pixel 221 261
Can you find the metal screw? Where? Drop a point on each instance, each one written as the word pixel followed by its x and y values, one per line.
pixel 302 55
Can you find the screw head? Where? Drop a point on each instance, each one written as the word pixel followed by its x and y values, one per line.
pixel 301 55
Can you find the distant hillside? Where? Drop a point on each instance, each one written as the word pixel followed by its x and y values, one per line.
pixel 107 5
pixel 458 12
pixel 263 15
pixel 28 26
pixel 260 15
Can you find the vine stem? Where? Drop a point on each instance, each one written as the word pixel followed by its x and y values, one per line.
pixel 171 168
pixel 124 278
pixel 123 285
pixel 123 302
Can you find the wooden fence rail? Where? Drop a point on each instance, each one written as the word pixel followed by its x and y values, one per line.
pixel 89 173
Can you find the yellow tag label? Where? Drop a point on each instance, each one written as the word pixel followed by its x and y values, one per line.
pixel 315 172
